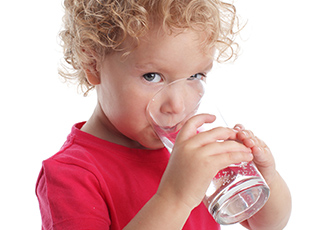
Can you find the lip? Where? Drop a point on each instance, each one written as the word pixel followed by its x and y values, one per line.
pixel 173 129
pixel 169 128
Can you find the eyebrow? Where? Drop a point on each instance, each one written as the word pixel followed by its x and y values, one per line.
pixel 154 67
pixel 144 65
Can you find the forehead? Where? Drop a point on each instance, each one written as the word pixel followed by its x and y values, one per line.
pixel 157 31
pixel 182 48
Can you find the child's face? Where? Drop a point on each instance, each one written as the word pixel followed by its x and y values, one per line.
pixel 126 86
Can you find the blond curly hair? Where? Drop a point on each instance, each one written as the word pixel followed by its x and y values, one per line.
pixel 94 28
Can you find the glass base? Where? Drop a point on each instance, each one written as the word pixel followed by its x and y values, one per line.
pixel 236 206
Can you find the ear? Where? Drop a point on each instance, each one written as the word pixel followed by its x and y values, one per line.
pixel 91 69
pixel 92 77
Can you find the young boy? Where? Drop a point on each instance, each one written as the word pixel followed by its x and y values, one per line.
pixel 113 172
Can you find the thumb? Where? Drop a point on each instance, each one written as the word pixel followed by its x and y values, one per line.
pixel 190 127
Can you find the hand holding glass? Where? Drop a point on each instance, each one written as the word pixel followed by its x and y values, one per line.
pixel 237 192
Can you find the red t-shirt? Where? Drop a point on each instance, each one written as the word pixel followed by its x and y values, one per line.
pixel 94 184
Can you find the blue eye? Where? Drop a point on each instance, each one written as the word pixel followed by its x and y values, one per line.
pixel 152 77
pixel 199 76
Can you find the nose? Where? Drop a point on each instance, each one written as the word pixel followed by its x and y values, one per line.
pixel 173 104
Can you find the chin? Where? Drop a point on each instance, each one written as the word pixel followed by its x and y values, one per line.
pixel 153 144
pixel 150 141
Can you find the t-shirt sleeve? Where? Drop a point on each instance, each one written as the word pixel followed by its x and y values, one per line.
pixel 70 197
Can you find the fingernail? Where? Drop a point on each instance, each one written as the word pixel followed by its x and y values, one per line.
pixel 238 127
pixel 250 155
pixel 253 142
pixel 259 149
pixel 245 133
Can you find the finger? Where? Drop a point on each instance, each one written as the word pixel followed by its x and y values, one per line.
pixel 262 156
pixel 249 142
pixel 259 142
pixel 190 127
pixel 239 127
pixel 258 152
pixel 254 141
pixel 225 147
pixel 244 134
pixel 260 149
pixel 225 159
pixel 214 135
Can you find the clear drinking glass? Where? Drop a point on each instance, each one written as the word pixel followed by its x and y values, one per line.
pixel 237 192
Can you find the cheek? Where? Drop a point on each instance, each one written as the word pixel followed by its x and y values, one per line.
pixel 128 113
pixel 125 108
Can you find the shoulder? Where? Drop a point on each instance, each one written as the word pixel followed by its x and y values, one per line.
pixel 70 193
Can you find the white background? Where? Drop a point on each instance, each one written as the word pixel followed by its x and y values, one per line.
pixel 275 88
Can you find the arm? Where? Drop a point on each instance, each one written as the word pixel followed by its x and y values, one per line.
pixel 60 191
pixel 195 160
pixel 160 213
pixel 276 212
